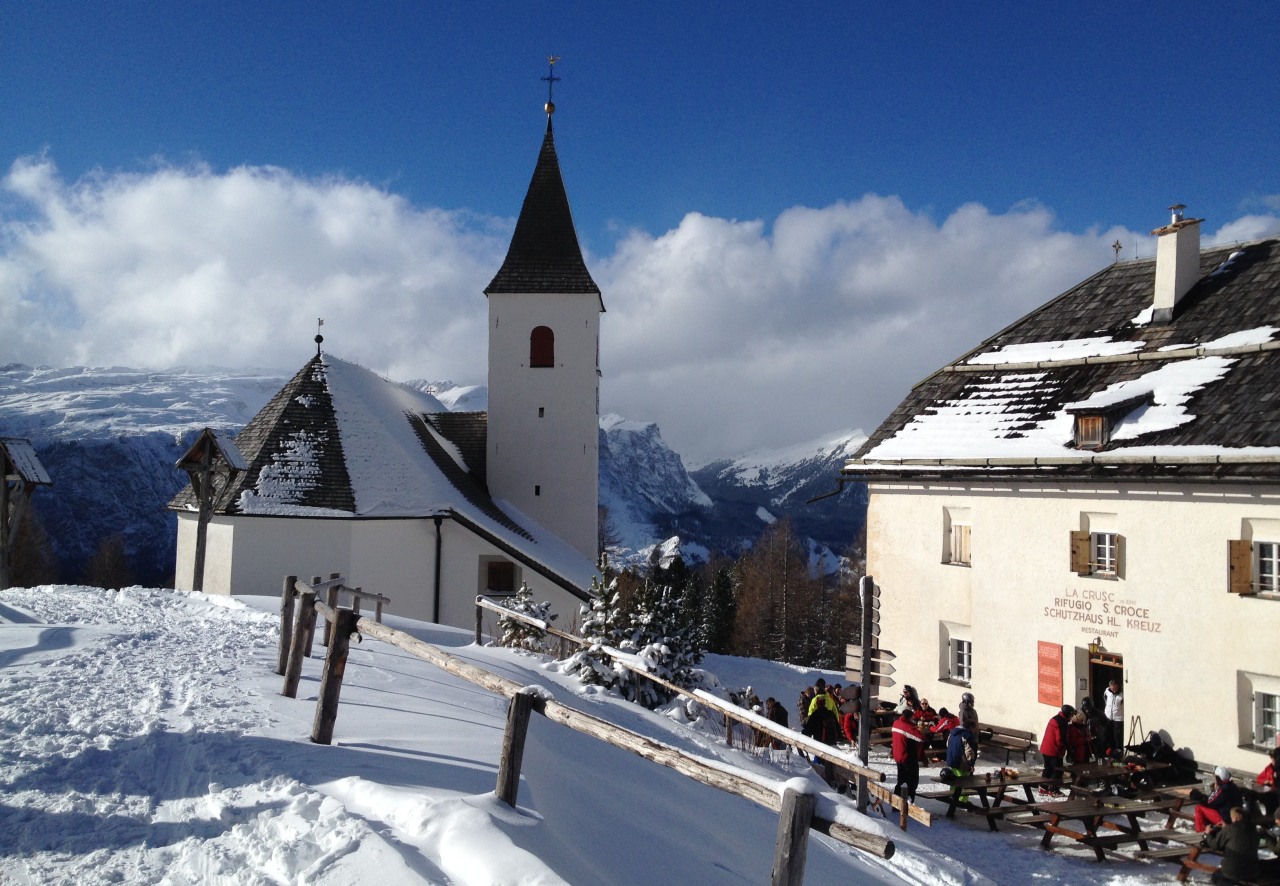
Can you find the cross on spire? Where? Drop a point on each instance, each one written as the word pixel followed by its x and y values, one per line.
pixel 551 79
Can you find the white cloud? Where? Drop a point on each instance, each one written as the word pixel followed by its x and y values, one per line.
pixel 732 335
pixel 184 266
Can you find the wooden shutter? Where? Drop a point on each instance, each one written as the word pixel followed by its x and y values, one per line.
pixel 542 347
pixel 1080 553
pixel 1119 555
pixel 1240 559
pixel 501 577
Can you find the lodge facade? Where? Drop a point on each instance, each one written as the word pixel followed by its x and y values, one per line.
pixel 1094 493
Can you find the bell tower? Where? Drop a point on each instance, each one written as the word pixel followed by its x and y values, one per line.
pixel 544 369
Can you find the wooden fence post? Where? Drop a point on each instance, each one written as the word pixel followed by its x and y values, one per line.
pixel 513 747
pixel 355 600
pixel 287 594
pixel 479 619
pixel 333 598
pixel 311 622
pixel 297 652
pixel 793 837
pixel 335 665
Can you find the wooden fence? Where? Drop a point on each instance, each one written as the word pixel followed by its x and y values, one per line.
pixel 796 808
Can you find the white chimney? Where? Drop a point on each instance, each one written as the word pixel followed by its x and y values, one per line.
pixel 1177 262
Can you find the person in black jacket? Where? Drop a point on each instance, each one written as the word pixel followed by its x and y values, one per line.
pixel 1238 844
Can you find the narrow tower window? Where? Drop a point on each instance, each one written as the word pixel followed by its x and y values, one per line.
pixel 542 347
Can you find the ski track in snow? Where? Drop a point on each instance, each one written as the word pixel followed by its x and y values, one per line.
pixel 172 789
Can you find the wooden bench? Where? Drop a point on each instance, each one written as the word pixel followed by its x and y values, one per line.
pixel 1011 741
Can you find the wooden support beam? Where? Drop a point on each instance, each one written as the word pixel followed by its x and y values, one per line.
pixel 513 747
pixel 335 666
pixel 792 844
pixel 293 671
pixel 287 593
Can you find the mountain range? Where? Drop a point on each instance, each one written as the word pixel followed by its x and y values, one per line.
pixel 110 437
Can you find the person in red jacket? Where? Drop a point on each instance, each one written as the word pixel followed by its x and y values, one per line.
pixel 1078 739
pixel 1265 795
pixel 908 751
pixel 940 729
pixel 1054 746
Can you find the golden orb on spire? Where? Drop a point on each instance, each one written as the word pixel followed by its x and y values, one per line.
pixel 551 80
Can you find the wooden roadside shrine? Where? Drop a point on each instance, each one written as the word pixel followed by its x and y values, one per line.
pixel 23 473
pixel 213 462
pixel 796 808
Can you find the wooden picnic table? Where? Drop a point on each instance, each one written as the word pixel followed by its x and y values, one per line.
pixel 996 792
pixel 1108 773
pixel 1091 814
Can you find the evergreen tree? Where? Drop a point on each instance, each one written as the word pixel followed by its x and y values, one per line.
pixel 32 561
pixel 522 634
pixel 109 567
pixel 591 663
pixel 667 646
pixel 719 609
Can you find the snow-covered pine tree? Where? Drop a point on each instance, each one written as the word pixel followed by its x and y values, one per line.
pixel 599 627
pixel 663 638
pixel 519 633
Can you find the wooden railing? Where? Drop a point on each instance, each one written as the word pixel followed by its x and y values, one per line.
pixel 796 807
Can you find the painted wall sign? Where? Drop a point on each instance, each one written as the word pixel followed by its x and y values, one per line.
pixel 1049 673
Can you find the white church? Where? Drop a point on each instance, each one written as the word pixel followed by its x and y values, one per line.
pixel 346 472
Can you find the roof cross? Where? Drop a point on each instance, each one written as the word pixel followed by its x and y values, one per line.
pixel 551 79
pixel 1117 246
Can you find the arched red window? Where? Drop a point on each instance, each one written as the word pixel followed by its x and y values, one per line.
pixel 542 346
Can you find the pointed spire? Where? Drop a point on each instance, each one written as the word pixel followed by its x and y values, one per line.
pixel 544 255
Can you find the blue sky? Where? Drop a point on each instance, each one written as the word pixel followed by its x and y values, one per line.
pixel 688 133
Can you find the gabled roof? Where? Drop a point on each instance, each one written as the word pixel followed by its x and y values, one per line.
pixel 1212 374
pixel 544 256
pixel 18 459
pixel 340 441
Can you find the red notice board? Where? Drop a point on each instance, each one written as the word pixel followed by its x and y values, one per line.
pixel 1049 672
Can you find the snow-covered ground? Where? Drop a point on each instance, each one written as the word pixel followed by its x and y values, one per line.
pixel 143 739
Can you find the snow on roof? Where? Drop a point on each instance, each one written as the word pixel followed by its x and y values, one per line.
pixel 1071 349
pixel 1201 384
pixel 388 467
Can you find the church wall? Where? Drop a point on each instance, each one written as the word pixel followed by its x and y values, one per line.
pixel 395 558
pixel 1194 655
pixel 557 451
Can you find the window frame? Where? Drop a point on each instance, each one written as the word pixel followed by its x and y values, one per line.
pixel 960 659
pixel 1266 719
pixel 1268 583
pixel 1104 553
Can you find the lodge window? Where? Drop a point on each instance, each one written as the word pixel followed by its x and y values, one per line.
pixel 1268 566
pixel 961 660
pixel 957 532
pixel 1097 553
pixel 1095 425
pixel 957 652
pixel 542 347
pixel 1266 719
pixel 1254 567
pixel 1090 432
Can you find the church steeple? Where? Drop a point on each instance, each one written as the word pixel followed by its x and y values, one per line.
pixel 544 255
pixel 542 448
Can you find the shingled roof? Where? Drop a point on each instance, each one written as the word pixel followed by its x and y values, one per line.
pixel 340 441
pixel 1198 397
pixel 544 256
